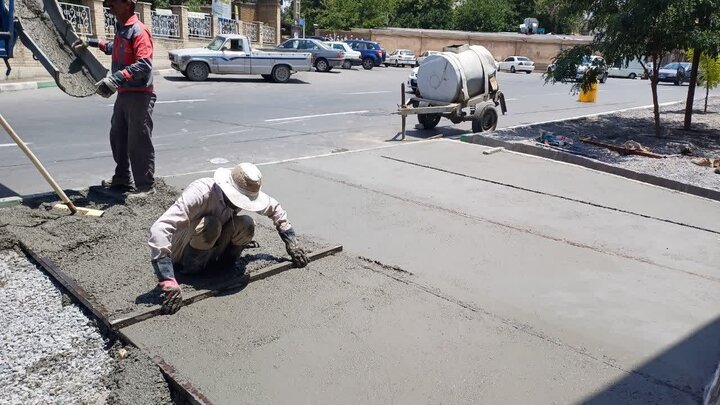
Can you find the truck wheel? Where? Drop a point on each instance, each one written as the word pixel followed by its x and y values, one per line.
pixel 347 65
pixel 429 121
pixel 322 65
pixel 632 76
pixel 268 78
pixel 197 71
pixel 368 63
pixel 281 74
pixel 486 120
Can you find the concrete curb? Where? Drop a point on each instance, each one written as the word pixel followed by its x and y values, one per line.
pixel 592 164
pixel 46 83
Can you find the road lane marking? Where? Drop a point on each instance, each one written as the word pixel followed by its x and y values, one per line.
pixel 224 133
pixel 5 145
pixel 317 115
pixel 369 92
pixel 192 100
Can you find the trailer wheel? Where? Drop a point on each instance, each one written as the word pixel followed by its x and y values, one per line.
pixel 486 120
pixel 197 71
pixel 281 74
pixel 429 121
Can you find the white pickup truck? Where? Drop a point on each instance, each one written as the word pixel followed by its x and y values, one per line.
pixel 233 54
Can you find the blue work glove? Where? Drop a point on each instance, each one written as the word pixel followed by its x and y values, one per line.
pixel 108 86
pixel 297 254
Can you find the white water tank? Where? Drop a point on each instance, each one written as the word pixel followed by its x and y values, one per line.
pixel 454 77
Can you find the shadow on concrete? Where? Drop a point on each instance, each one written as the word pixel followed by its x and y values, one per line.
pixel 6 191
pixel 246 79
pixel 447 132
pixel 677 375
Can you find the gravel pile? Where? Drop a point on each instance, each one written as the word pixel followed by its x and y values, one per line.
pixel 680 146
pixel 51 352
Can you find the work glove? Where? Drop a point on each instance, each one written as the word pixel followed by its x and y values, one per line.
pixel 81 44
pixel 169 289
pixel 297 254
pixel 108 86
pixel 172 296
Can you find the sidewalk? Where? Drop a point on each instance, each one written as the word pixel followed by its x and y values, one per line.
pixel 43 82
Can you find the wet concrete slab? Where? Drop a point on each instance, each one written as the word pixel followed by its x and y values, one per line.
pixel 349 331
pixel 611 268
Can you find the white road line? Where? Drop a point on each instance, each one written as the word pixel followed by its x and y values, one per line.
pixel 316 116
pixel 369 92
pixel 511 99
pixel 224 133
pixel 5 145
pixel 193 100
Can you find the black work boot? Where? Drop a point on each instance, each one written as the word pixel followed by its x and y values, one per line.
pixel 117 187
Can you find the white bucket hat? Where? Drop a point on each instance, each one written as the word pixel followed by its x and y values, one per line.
pixel 241 185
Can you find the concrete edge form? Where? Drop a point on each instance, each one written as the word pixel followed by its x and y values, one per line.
pixel 190 392
pixel 592 164
pixel 200 295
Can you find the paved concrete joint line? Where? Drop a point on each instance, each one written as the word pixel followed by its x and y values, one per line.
pixel 550 194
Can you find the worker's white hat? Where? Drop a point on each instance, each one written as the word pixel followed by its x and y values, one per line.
pixel 241 185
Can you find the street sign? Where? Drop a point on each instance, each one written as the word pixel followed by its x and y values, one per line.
pixel 302 22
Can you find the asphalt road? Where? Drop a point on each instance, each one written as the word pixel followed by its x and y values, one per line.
pixel 228 119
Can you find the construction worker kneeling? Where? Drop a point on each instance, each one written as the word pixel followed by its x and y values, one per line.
pixel 204 228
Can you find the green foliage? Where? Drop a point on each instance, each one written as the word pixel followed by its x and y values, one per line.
pixel 567 64
pixel 427 14
pixel 484 15
pixel 560 16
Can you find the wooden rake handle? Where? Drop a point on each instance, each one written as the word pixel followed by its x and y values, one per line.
pixel 37 164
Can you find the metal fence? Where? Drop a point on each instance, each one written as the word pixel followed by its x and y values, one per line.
pixel 165 24
pixel 78 16
pixel 228 26
pixel 199 25
pixel 110 22
pixel 268 34
pixel 250 30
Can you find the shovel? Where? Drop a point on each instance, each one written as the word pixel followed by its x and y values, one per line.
pixel 66 201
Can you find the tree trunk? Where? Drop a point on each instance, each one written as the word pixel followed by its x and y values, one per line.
pixel 707 94
pixel 691 90
pixel 653 85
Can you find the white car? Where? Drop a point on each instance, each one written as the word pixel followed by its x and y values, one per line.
pixel 633 70
pixel 401 57
pixel 424 55
pixel 352 58
pixel 412 79
pixel 514 64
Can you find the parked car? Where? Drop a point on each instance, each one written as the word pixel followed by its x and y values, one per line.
pixel 592 61
pixel 632 70
pixel 517 64
pixel 424 55
pixel 233 54
pixel 352 58
pixel 324 58
pixel 401 57
pixel 412 79
pixel 676 73
pixel 371 52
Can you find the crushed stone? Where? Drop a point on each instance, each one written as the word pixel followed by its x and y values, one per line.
pixel 74 79
pixel 109 256
pixel 679 145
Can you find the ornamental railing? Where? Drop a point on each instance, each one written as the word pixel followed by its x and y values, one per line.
pixel 250 30
pixel 199 25
pixel 268 34
pixel 165 24
pixel 110 22
pixel 78 16
pixel 228 26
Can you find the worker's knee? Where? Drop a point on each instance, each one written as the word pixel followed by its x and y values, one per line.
pixel 207 232
pixel 244 230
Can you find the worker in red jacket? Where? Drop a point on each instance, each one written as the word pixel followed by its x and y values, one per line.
pixel 131 124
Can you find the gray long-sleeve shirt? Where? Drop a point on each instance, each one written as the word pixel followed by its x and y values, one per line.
pixel 201 198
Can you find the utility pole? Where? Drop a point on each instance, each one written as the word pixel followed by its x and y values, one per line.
pixel 296 18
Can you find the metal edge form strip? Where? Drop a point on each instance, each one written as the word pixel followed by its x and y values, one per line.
pixel 203 294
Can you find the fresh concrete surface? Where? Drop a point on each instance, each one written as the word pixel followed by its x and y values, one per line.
pixel 627 293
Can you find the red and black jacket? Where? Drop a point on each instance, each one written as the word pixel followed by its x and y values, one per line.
pixel 132 53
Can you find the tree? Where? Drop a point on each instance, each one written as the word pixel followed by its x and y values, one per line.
pixel 484 15
pixel 559 16
pixel 428 14
pixel 708 74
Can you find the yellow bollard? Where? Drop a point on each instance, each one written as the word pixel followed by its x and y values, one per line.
pixel 589 96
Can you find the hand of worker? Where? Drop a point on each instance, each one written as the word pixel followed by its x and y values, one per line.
pixel 297 254
pixel 81 44
pixel 172 296
pixel 108 86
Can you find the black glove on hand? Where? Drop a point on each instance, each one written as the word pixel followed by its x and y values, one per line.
pixel 297 254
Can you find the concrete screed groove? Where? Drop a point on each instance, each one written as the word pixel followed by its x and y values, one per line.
pixel 504 225
pixel 403 277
